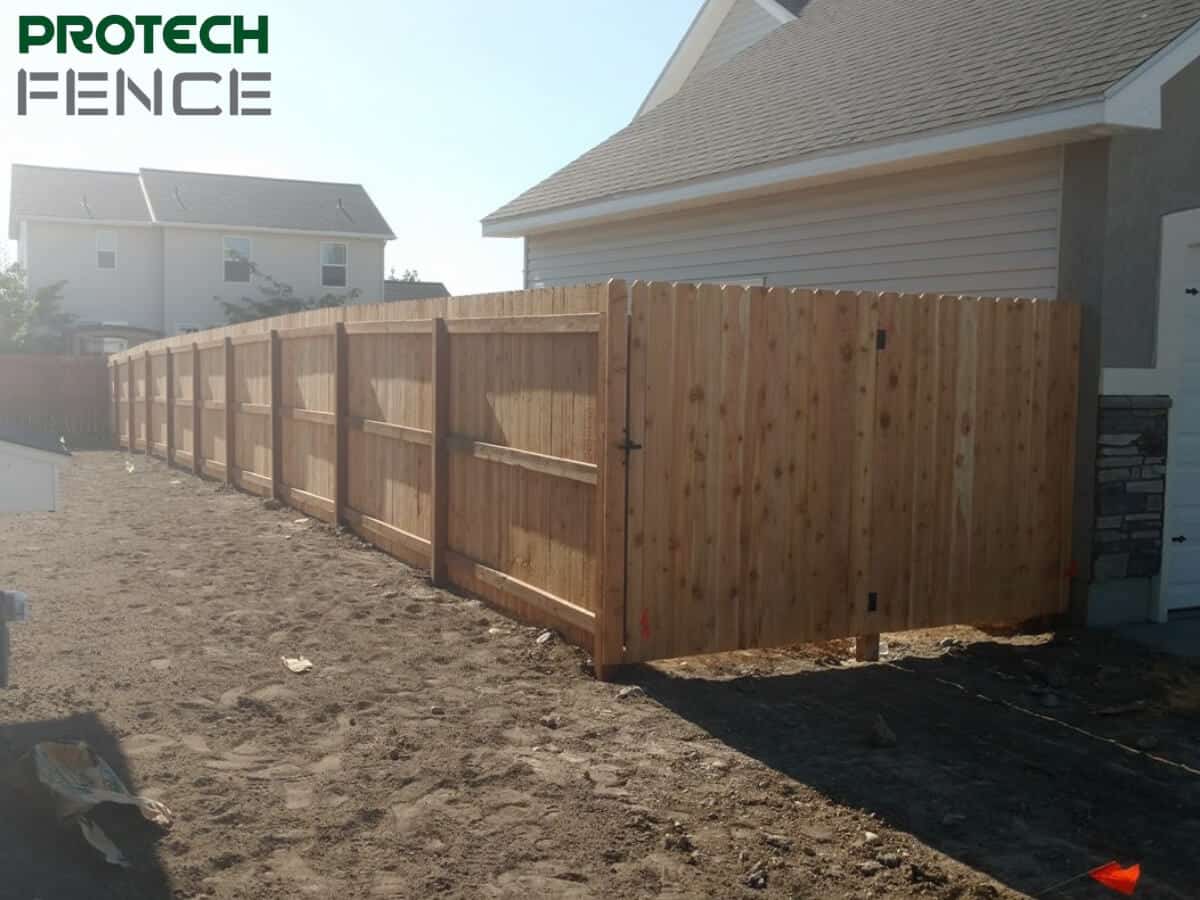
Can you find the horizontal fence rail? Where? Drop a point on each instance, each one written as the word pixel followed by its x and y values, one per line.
pixel 659 470
pixel 460 435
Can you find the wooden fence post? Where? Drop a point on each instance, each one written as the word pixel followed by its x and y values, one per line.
pixel 341 409
pixel 149 392
pixel 230 408
pixel 170 404
pixel 440 508
pixel 197 412
pixel 114 375
pixel 129 398
pixel 276 416
pixel 608 648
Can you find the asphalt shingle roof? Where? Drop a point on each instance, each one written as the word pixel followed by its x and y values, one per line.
pixel 394 289
pixel 192 198
pixel 74 194
pixel 851 72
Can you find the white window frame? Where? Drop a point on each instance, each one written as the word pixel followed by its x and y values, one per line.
pixel 103 232
pixel 250 259
pixel 321 263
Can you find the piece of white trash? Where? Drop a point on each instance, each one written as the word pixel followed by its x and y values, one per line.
pixel 298 664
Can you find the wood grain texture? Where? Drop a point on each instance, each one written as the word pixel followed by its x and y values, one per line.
pixel 881 462
pixel 808 464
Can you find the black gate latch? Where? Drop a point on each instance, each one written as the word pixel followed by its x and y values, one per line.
pixel 1194 292
pixel 628 445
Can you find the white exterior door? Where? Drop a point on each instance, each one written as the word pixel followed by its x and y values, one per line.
pixel 1179 350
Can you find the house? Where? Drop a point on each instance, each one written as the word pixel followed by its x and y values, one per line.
pixel 29 463
pixel 151 253
pixel 398 289
pixel 999 148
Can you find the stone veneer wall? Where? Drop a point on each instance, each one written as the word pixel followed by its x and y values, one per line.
pixel 1131 482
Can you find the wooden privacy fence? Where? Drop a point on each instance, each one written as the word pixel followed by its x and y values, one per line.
pixel 663 470
pixel 60 395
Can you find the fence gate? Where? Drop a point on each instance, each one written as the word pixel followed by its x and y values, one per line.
pixel 809 465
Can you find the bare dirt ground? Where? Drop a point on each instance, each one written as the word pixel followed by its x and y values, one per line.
pixel 438 749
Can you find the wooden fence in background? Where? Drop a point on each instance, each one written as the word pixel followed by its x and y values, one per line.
pixel 60 395
pixel 663 470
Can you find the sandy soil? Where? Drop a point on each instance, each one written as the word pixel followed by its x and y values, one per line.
pixel 439 749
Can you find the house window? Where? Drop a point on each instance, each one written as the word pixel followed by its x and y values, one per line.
pixel 237 260
pixel 333 264
pixel 106 249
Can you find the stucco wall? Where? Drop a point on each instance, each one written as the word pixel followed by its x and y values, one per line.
pixel 195 273
pixel 131 293
pixel 1150 175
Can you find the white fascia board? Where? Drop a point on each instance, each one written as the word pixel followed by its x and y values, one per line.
pixel 1136 100
pixel 1040 128
pixel 774 9
pixel 259 229
pixel 688 53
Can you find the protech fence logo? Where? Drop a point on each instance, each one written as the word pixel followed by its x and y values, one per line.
pixel 101 92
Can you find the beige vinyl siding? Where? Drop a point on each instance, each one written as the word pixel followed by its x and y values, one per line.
pixel 746 24
pixel 983 227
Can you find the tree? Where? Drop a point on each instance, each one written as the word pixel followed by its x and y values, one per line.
pixel 410 275
pixel 278 299
pixel 31 323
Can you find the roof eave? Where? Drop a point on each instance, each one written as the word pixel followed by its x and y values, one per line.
pixel 1132 103
pixel 1041 127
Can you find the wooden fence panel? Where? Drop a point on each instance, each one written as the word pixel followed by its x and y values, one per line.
pixel 212 409
pixel 524 462
pixel 309 437
pixel 138 378
pixel 158 404
pixel 122 394
pixel 829 465
pixel 252 393
pixel 390 410
pixel 181 362
pixel 722 468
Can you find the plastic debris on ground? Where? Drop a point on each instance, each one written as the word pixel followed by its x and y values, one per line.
pixel 79 780
pixel 299 664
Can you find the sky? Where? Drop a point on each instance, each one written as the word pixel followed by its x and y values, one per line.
pixel 444 111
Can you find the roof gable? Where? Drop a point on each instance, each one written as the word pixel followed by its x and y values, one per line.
pixel 860 73
pixel 721 29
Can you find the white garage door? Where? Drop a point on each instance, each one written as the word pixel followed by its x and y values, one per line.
pixel 1179 348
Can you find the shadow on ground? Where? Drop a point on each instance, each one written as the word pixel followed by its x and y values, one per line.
pixel 1015 793
pixel 39 858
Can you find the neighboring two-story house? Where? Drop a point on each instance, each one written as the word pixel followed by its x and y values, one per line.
pixel 153 253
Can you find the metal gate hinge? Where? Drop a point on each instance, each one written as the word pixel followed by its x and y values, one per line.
pixel 627 445
pixel 881 339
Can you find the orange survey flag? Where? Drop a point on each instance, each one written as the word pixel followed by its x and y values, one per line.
pixel 1123 881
